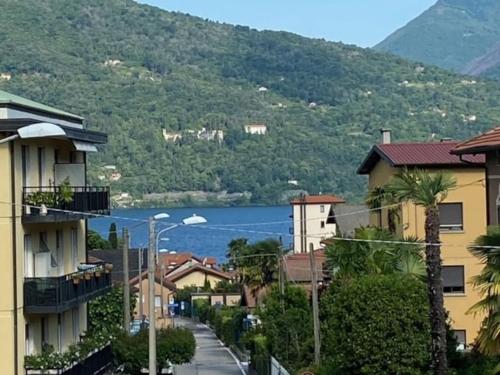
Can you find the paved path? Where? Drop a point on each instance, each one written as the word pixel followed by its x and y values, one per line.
pixel 211 358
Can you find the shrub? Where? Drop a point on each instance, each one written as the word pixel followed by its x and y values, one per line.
pixel 176 345
pixel 201 309
pixel 376 325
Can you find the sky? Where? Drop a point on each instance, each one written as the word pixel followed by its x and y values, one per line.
pixel 360 22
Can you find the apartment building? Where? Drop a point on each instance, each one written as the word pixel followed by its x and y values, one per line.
pixel 45 202
pixel 462 215
pixel 313 220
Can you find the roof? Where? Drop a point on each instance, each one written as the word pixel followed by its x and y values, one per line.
pixel 200 268
pixel 178 259
pixel 298 266
pixel 318 199
pixel 484 142
pixel 348 218
pixel 435 154
pixel 144 275
pixel 11 99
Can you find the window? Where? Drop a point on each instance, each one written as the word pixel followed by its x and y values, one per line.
pixel 45 331
pixel 322 224
pixel 157 301
pixel 460 336
pixel 74 248
pixel 451 216
pixel 60 251
pixel 453 279
pixel 41 165
pixel 25 156
pixel 322 208
pixel 75 320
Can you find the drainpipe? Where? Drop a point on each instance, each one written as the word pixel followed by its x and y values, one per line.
pixel 14 253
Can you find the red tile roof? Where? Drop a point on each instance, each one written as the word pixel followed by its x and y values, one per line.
pixel 436 154
pixel 318 199
pixel 484 142
pixel 298 266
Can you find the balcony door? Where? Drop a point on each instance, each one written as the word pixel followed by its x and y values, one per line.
pixel 60 252
pixel 29 259
pixel 74 249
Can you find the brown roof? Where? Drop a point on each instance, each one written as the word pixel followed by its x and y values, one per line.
pixel 318 199
pixel 198 267
pixel 430 154
pixel 177 259
pixel 484 142
pixel 298 266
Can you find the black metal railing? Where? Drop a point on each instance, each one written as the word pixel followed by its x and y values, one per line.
pixel 46 295
pixel 61 200
pixel 97 363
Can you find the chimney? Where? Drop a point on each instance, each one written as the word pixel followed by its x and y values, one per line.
pixel 386 136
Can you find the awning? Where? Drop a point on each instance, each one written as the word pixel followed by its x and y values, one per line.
pixel 84 146
pixel 83 139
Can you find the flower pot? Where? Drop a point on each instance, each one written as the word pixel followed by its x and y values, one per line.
pixel 98 273
pixel 108 268
pixel 76 280
pixel 88 276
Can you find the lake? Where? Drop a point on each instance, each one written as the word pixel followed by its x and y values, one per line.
pixel 210 239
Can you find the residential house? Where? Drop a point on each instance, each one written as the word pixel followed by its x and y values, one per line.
pixel 462 216
pixel 258 129
pixel 297 268
pixel 45 202
pixel 313 220
pixel 487 144
pixel 164 294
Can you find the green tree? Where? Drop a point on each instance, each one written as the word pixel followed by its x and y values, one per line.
pixel 96 242
pixel 175 345
pixel 106 312
pixel 428 189
pixel 257 263
pixel 487 249
pixel 374 251
pixel 113 236
pixel 376 325
pixel 287 325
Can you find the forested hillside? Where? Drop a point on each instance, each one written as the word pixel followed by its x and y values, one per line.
pixel 461 35
pixel 133 70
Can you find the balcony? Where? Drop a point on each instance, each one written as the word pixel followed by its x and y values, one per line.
pixel 53 295
pixel 63 203
pixel 97 363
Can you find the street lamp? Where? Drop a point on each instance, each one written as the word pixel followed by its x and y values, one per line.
pixel 154 239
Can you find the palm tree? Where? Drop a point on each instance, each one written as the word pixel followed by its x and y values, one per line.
pixel 372 251
pixel 487 249
pixel 428 190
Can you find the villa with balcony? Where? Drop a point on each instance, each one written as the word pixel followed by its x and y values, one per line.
pixel 45 202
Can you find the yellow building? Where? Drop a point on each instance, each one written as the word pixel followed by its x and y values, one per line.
pixel 462 215
pixel 44 203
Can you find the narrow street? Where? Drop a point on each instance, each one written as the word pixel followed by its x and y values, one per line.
pixel 211 357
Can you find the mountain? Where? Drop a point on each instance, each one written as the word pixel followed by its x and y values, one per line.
pixel 135 71
pixel 461 35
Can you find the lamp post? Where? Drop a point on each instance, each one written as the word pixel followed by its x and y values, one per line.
pixel 152 262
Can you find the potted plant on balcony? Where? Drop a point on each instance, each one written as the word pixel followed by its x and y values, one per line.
pixel 108 267
pixel 65 195
pixel 98 271
pixel 88 275
pixel 39 201
pixel 76 278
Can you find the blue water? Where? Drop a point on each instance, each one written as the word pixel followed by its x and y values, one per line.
pixel 210 239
